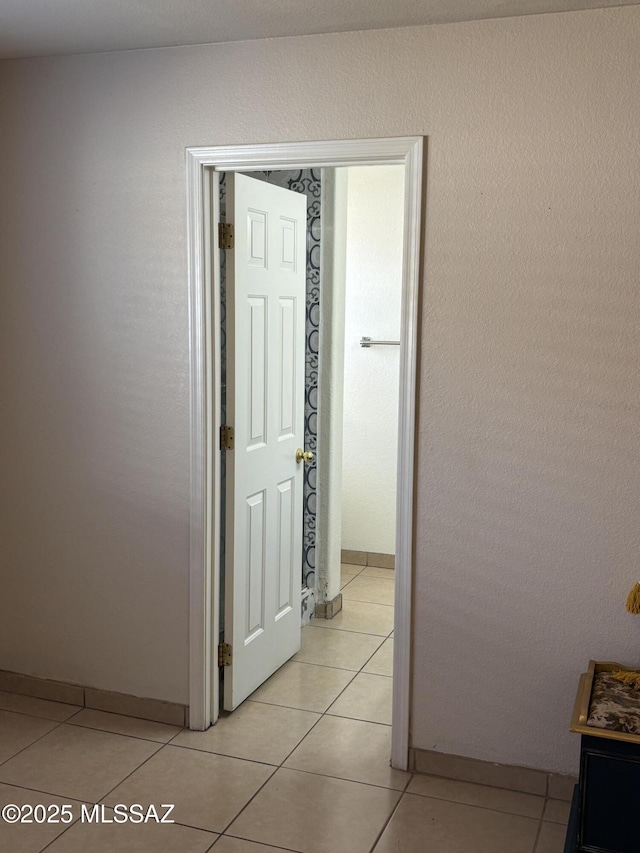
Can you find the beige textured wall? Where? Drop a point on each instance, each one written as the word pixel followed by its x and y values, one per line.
pixel 528 490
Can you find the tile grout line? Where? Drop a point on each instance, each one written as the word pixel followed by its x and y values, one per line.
pixel 473 805
pixel 259 843
pixel 328 665
pixel 59 797
pixel 309 711
pixel 320 713
pixel 68 721
pixel 368 661
pixel 225 754
pixel 121 734
pixel 64 832
pixel 280 766
pixel 327 714
pixel 389 819
pixel 331 704
pixel 359 672
pixel 107 794
pixel 40 716
pixel 277 767
pixel 484 785
pixel 15 755
pixel 135 770
pixel 538 831
pixel 330 713
pixel 170 742
pixel 53 840
pixel 46 793
pixel 323 714
pixel 352 781
pixel 300 742
pixel 175 823
pixel 162 745
pixel 393 812
pixel 335 716
pixel 364 601
pixel 75 714
pixel 252 798
pixel 357 633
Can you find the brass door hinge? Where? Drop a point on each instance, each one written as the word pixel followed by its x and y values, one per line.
pixel 225 654
pixel 225 235
pixel 227 437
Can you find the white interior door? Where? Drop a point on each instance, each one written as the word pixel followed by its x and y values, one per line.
pixel 265 406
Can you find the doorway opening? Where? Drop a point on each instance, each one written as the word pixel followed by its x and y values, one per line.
pixel 361 379
pixel 205 167
pixel 359 382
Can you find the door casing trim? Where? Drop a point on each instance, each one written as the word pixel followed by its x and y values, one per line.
pixel 203 165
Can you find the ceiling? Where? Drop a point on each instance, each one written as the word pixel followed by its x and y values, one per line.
pixel 55 27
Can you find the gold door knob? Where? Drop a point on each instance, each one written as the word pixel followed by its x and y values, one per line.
pixel 304 455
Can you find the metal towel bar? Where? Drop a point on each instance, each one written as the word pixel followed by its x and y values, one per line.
pixel 367 342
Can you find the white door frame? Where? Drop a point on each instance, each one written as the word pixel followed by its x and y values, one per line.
pixel 203 167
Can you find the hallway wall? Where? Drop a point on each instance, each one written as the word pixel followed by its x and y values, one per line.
pixel 375 214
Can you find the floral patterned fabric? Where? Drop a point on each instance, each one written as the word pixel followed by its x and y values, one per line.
pixel 614 705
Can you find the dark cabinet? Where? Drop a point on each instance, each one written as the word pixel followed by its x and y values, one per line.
pixel 605 810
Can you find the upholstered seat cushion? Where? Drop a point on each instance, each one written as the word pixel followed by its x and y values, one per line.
pixel 614 705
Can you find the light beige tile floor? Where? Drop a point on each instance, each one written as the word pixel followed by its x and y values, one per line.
pixel 302 766
pixel 422 823
pixel 349 749
pixel 285 814
pixel 361 617
pixel 348 573
pixel 36 707
pixel 18 731
pixel 226 844
pixel 382 662
pixel 551 837
pixel 557 811
pixel 119 725
pixel 303 685
pixel 375 572
pixel 343 649
pixel 498 799
pixel 368 697
pixel 207 789
pixel 74 762
pixel 20 838
pixel 130 838
pixel 372 590
pixel 255 731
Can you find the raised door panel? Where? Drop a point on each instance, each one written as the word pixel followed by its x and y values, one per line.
pixel 255 567
pixel 257 385
pixel 288 364
pixel 286 538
